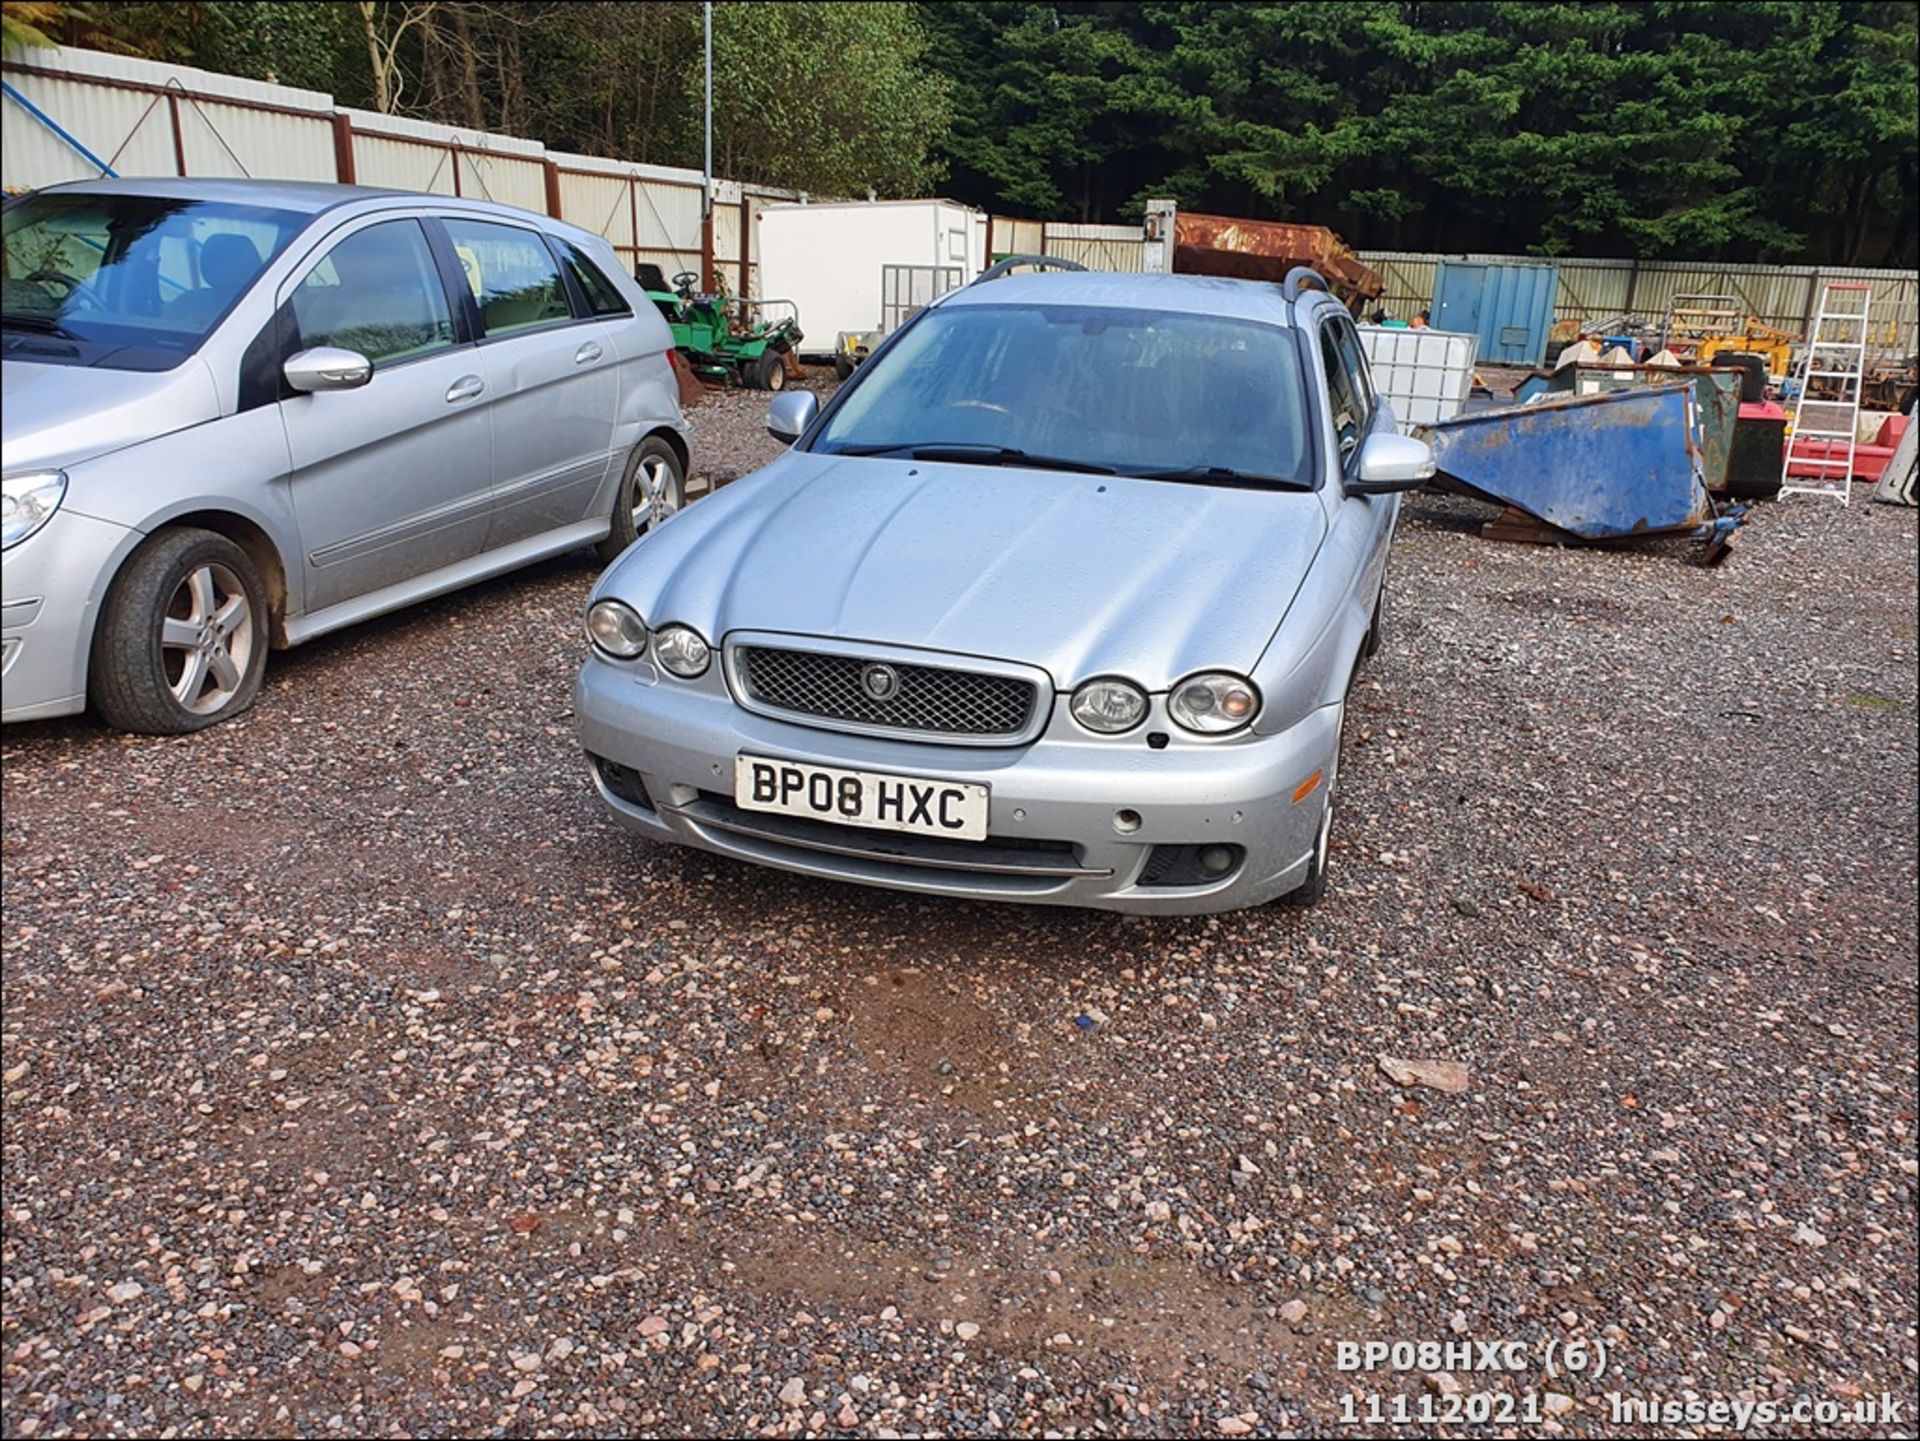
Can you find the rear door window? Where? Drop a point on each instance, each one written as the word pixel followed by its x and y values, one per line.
pixel 602 298
pixel 512 274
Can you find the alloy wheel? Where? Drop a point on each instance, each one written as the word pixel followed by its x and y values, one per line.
pixel 207 638
pixel 654 500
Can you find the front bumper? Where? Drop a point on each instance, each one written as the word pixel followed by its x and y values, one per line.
pixel 1051 816
pixel 50 588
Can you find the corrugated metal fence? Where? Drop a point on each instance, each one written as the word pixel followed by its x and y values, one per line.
pixel 1098 247
pixel 1783 296
pixel 139 117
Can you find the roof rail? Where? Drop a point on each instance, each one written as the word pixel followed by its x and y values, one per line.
pixel 1038 262
pixel 1303 277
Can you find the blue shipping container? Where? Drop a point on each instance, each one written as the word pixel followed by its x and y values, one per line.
pixel 1509 307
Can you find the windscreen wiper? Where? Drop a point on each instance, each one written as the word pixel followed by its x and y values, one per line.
pixel 38 324
pixel 1220 475
pixel 968 453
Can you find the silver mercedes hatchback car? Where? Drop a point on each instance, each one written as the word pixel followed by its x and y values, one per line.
pixel 240 414
pixel 1058 600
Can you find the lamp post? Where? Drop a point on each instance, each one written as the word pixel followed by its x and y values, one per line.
pixel 706 188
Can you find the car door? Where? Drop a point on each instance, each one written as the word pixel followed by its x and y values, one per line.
pixel 1363 525
pixel 553 377
pixel 392 480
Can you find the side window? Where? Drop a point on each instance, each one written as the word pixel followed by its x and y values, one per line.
pixel 1348 408
pixel 512 275
pixel 602 298
pixel 376 292
pixel 1355 358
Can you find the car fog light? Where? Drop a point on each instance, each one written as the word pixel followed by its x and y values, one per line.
pixel 616 630
pixel 681 651
pixel 1214 703
pixel 1109 706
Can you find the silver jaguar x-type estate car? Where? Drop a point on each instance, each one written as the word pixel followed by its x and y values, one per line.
pixel 239 414
pixel 1058 600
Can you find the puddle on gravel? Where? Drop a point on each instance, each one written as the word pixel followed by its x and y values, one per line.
pixel 921 1032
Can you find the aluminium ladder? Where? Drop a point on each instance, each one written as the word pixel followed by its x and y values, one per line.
pixel 1837 356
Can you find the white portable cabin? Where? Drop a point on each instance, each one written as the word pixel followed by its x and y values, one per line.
pixel 863 266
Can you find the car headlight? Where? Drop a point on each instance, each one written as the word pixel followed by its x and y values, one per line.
pixel 1213 703
pixel 615 629
pixel 1109 705
pixel 681 651
pixel 27 502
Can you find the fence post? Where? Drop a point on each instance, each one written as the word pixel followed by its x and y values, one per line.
pixel 343 169
pixel 179 142
pixel 633 209
pixel 553 188
pixel 746 246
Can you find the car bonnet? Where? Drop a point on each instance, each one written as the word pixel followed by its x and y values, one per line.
pixel 1082 575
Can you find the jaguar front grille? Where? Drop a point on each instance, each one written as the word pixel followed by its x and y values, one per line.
pixel 874 693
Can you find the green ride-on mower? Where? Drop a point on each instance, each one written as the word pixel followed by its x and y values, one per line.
pixel 713 333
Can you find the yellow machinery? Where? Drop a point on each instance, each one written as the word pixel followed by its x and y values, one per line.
pixel 1757 339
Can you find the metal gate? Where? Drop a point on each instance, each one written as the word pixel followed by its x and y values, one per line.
pixel 905 288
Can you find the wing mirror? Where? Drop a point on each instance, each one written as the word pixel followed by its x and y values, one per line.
pixel 327 367
pixel 791 413
pixel 1390 463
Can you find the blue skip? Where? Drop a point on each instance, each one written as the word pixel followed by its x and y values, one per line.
pixel 1594 467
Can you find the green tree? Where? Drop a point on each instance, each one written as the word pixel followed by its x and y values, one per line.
pixel 829 98
pixel 1736 130
pixel 24 23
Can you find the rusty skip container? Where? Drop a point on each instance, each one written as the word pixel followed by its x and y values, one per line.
pixel 1267 250
pixel 1600 467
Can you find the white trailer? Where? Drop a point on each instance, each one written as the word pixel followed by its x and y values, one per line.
pixel 857 268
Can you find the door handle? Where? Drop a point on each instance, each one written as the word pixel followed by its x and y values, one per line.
pixel 588 353
pixel 465 388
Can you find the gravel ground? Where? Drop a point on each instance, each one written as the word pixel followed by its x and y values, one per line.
pixel 362 1077
pixel 730 431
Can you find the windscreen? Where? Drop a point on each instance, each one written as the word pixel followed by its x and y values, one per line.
pixel 129 282
pixel 1135 390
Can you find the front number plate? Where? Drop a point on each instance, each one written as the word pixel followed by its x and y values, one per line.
pixel 956 810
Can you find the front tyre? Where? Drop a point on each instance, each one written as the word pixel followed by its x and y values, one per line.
pixel 651 492
pixel 182 642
